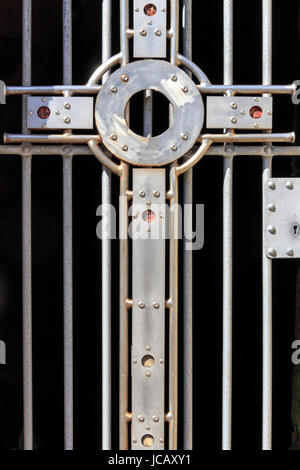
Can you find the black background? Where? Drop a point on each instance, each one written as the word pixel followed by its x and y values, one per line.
pixel 47 241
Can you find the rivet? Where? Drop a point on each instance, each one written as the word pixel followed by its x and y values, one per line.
pixel 67 120
pixel 156 305
pixel 142 194
pixel 113 136
pixel 243 113
pixel 161 361
pixel 44 126
pixel 156 193
pixel 143 32
pixel 289 185
pixel 161 216
pixel 150 23
pixel 30 113
pixel 155 418
pixel 161 441
pixel 270 113
pixel 290 252
pixel 137 10
pixel 174 78
pixel 174 147
pixel 185 89
pixel 158 32
pixel 184 136
pixel 67 106
pixel 234 105
pixel 148 373
pixel 164 10
pixel 124 77
pixel 256 126
pixel 149 229
pixel 148 203
pixel 114 89
pixel 256 100
pixel 233 120
pixel 148 348
pixel 148 428
pixel 136 216
pixel 271 208
pixel 272 252
pixel 141 305
pixel 271 185
pixel 134 361
pixel 125 148
pixel 141 418
pixel 271 229
pixel 57 112
pixel 134 441
pixel 44 100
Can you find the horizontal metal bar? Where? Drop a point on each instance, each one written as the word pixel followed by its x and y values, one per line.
pixel 215 150
pixel 48 138
pixel 52 90
pixel 248 89
pixel 247 138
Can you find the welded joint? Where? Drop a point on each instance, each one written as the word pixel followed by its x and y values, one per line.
pixel 169 303
pixel 128 416
pixel 169 417
pixel 129 304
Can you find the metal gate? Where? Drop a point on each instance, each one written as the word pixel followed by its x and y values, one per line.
pixel 143 164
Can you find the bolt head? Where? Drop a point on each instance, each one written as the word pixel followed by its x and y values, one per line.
pixel 148 428
pixel 272 252
pixel 143 32
pixel 113 136
pixel 234 105
pixel 271 207
pixel 57 112
pixel 290 252
pixel 134 441
pixel 124 77
pixel 155 305
pixel 141 418
pixel 174 147
pixel 161 441
pixel 148 348
pixel 272 229
pixel 161 361
pixel 155 418
pixel 174 78
pixel 289 185
pixel 149 229
pixel 67 120
pixel 184 136
pixel 30 113
pixel 233 120
pixel 137 10
pixel 185 89
pixel 158 32
pixel 148 373
pixel 114 89
pixel 156 193
pixel 142 194
pixel 67 106
pixel 256 100
pixel 270 113
pixel 256 126
pixel 148 203
pixel 44 100
pixel 134 361
pixel 164 10
pixel 243 113
pixel 141 305
pixel 125 148
pixel 271 185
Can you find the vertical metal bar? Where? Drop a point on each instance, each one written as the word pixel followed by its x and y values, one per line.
pixel 106 259
pixel 187 269
pixel 227 247
pixel 27 240
pixel 173 276
pixel 124 356
pixel 68 242
pixel 267 264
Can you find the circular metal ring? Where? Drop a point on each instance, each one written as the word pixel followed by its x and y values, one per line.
pixel 176 86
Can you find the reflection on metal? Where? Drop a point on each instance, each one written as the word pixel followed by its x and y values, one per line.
pixel 115 140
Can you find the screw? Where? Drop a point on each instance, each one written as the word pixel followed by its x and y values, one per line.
pixel 290 252
pixel 124 77
pixel 155 418
pixel 114 89
pixel 141 305
pixel 234 105
pixel 174 147
pixel 289 185
pixel 67 105
pixel 142 194
pixel 148 348
pixel 113 136
pixel 272 229
pixel 156 305
pixel 185 89
pixel 141 418
pixel 125 148
pixel 156 193
pixel 233 120
pixel 143 32
pixel 158 32
pixel 134 361
pixel 184 136
pixel 67 120
pixel 174 78
pixel 271 185
pixel 271 208
pixel 272 252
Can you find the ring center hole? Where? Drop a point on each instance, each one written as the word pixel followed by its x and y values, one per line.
pixel 150 9
pixel 148 216
pixel 147 440
pixel 148 361
pixel 141 103
pixel 256 112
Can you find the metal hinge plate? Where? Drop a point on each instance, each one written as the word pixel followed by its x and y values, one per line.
pixel 282 218
pixel 239 112
pixel 58 112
